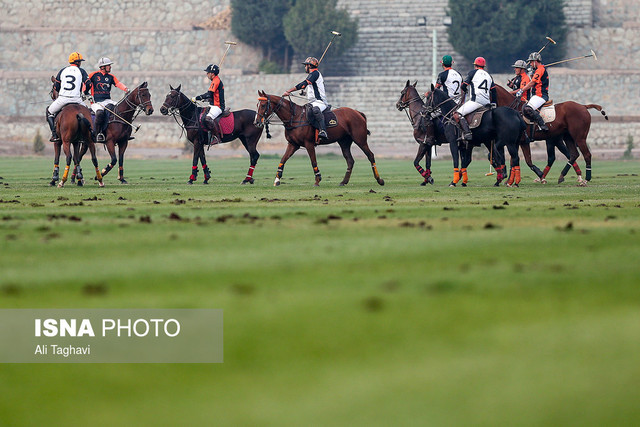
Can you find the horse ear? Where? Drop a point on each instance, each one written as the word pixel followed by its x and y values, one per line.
pixel 171 87
pixel 432 87
pixel 415 83
pixel 408 84
pixel 143 84
pixel 179 86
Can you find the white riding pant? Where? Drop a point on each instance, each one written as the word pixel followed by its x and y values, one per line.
pixel 321 105
pixel 468 107
pixel 214 111
pixel 536 102
pixel 61 101
pixel 98 106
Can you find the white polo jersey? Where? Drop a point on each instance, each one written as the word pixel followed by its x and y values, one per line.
pixel 451 82
pixel 479 82
pixel 71 79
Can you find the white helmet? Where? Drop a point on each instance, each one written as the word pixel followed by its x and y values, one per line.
pixel 104 61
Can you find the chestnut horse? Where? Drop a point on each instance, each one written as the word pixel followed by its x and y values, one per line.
pixel 73 125
pixel 177 102
pixel 351 127
pixel 119 127
pixel 571 124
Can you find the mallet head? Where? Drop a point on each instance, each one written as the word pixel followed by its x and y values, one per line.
pixel 335 33
pixel 551 40
pixel 594 55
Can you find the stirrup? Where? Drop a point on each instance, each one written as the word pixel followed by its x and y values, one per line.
pixel 54 138
pixel 100 137
pixel 323 134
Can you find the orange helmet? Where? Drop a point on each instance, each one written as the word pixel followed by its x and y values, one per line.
pixel 480 62
pixel 311 61
pixel 75 57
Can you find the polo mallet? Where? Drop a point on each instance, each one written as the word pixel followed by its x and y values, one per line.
pixel 549 40
pixel 229 44
pixel 335 34
pixel 490 161
pixel 574 59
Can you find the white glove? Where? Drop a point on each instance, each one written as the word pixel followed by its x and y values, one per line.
pixel 519 93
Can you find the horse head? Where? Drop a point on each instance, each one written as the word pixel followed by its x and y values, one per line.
pixel 140 97
pixel 408 96
pixel 173 100
pixel 54 92
pixel 265 109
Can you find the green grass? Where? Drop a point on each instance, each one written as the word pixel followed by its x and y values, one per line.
pixel 404 305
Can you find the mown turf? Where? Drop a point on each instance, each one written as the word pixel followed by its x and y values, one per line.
pixel 357 305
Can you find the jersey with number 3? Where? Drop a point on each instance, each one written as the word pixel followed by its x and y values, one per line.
pixel 480 82
pixel 71 80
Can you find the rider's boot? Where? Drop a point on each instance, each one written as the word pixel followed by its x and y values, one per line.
pixel 51 121
pixel 322 128
pixel 99 124
pixel 535 116
pixel 214 128
pixel 466 132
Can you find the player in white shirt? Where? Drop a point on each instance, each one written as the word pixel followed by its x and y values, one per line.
pixel 71 82
pixel 450 81
pixel 478 87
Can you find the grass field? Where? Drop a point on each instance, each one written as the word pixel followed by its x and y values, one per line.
pixel 357 305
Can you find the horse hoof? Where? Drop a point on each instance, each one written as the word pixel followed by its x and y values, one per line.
pixel 341 184
pixel 205 182
pixel 61 184
pixel 537 180
pixel 423 183
pixel 52 183
pixel 101 184
pixel 452 184
pixel 497 184
pixel 381 182
pixel 123 181
pixel 561 180
pixel 543 181
pixel 463 184
pixel 248 181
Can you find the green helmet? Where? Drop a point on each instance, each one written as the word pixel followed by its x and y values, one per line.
pixel 447 61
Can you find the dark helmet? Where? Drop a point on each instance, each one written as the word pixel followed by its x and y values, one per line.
pixel 212 68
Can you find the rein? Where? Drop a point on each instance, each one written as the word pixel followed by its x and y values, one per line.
pixel 188 123
pixel 135 108
pixel 288 125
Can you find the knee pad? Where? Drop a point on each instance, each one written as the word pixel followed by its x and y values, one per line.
pixel 527 110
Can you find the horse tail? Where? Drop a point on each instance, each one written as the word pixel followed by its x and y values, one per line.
pixel 84 125
pixel 364 116
pixel 599 108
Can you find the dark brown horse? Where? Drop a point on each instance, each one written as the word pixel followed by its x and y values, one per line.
pixel 73 125
pixel 351 127
pixel 119 127
pixel 571 124
pixel 177 102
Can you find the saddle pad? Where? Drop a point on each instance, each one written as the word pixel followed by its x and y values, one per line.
pixel 548 114
pixel 330 119
pixel 474 119
pixel 227 124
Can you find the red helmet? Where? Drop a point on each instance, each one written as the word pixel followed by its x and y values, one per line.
pixel 480 62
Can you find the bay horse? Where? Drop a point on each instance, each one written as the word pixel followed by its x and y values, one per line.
pixel 351 127
pixel 177 102
pixel 571 125
pixel 119 126
pixel 411 102
pixel 499 128
pixel 73 125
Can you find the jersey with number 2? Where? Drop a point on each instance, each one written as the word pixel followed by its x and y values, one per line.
pixel 480 83
pixel 71 79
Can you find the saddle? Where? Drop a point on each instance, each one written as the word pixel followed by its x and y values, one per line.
pixel 474 119
pixel 330 119
pixel 547 112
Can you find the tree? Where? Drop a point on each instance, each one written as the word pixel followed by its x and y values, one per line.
pixel 308 26
pixel 503 31
pixel 259 23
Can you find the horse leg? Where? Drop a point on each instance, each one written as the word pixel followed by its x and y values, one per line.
pixel 361 141
pixel 251 148
pixel 311 150
pixel 78 150
pixel 345 146
pixel 526 152
pixel 205 169
pixel 56 163
pixel 197 146
pixel 111 148
pixel 515 165
pixel 426 174
pixel 287 154
pixel 573 156
pixel 67 152
pixel 94 160
pixel 581 181
pixel 122 147
pixel 456 154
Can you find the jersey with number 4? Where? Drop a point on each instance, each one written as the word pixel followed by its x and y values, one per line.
pixel 450 80
pixel 71 80
pixel 480 82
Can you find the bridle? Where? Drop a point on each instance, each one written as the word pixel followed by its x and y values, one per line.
pixel 266 119
pixel 176 110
